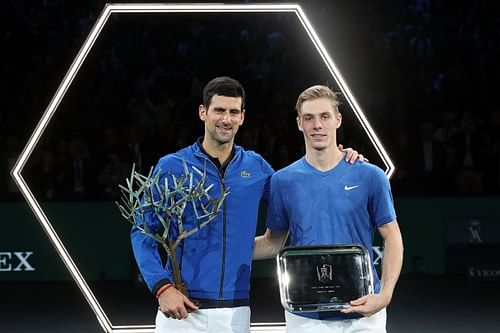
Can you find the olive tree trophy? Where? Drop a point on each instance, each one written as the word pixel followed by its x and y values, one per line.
pixel 165 201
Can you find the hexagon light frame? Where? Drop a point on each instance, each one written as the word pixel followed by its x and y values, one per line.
pixel 73 70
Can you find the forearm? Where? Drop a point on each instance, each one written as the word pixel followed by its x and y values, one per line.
pixel 268 245
pixel 148 260
pixel 392 262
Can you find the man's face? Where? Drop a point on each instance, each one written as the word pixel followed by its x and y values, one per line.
pixel 318 121
pixel 222 119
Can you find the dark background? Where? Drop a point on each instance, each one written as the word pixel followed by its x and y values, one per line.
pixel 424 72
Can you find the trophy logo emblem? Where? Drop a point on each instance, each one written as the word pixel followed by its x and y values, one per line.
pixel 325 273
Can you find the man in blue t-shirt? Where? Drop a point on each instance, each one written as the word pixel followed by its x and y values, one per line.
pixel 322 200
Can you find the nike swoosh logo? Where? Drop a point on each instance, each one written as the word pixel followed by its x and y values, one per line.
pixel 348 188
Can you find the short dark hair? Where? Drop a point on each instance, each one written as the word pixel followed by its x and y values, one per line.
pixel 223 86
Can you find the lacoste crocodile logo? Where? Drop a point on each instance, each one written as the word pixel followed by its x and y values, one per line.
pixel 245 174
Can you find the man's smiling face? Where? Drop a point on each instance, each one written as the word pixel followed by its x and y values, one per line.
pixel 318 121
pixel 222 119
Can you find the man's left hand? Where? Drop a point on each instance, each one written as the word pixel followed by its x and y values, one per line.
pixel 367 305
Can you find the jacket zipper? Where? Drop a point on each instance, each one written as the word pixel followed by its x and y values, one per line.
pixel 224 232
pixel 224 225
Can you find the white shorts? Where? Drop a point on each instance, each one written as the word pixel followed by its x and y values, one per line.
pixel 373 324
pixel 219 320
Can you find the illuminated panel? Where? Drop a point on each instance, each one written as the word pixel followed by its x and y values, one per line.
pixel 73 70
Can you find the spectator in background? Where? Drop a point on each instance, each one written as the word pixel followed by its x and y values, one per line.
pixel 402 180
pixel 469 144
pixel 444 134
pixel 134 147
pixel 13 150
pixel 48 175
pixel 429 163
pixel 72 179
pixel 112 175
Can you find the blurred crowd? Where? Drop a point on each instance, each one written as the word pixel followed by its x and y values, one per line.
pixel 433 101
pixel 441 60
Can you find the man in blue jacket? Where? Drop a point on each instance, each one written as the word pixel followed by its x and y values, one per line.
pixel 215 262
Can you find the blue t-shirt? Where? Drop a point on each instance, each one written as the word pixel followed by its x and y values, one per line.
pixel 343 205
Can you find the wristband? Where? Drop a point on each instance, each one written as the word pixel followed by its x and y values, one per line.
pixel 163 289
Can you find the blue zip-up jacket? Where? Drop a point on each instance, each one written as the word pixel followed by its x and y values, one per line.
pixel 216 261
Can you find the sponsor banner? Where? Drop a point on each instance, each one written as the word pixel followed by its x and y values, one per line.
pixel 483 272
pixel 92 233
pixel 16 261
pixel 473 231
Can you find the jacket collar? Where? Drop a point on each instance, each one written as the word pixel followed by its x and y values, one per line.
pixel 198 150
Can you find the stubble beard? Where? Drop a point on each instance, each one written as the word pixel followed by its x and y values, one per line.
pixel 222 139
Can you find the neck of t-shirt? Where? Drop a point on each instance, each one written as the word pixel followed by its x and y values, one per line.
pixel 324 160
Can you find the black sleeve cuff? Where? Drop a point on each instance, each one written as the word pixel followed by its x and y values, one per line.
pixel 160 284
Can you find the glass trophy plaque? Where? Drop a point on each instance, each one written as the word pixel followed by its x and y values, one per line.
pixel 323 278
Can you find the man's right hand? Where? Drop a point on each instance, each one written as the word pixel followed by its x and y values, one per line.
pixel 175 304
